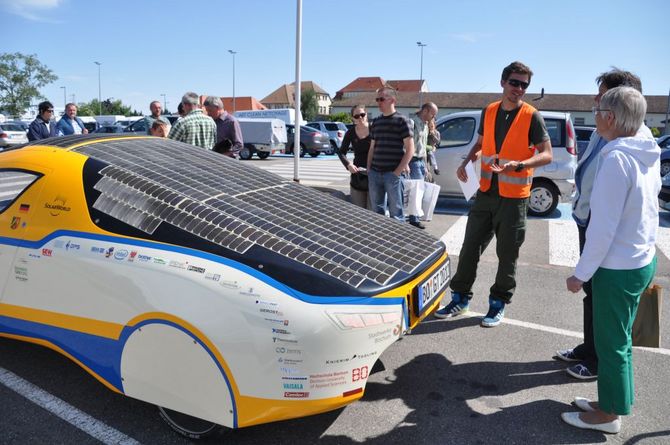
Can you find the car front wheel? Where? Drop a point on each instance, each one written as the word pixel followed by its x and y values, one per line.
pixel 188 426
pixel 263 154
pixel 665 168
pixel 543 198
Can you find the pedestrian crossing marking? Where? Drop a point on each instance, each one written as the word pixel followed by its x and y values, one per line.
pixel 563 243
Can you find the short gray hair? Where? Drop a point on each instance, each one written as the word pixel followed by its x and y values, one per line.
pixel 628 106
pixel 190 98
pixel 213 101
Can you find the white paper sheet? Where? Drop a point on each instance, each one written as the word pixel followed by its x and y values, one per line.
pixel 471 186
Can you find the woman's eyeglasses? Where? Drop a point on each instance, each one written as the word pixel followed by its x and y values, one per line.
pixel 380 99
pixel 359 116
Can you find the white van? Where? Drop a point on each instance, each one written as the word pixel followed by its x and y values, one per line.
pixel 552 183
pixel 284 114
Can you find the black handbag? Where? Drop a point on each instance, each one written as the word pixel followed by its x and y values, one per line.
pixel 359 181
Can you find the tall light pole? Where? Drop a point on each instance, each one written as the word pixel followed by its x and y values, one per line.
pixel 99 95
pixel 64 97
pixel 233 53
pixel 164 102
pixel 421 45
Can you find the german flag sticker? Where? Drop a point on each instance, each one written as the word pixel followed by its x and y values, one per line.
pixel 24 208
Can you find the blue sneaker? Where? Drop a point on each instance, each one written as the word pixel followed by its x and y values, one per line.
pixel 459 304
pixel 495 314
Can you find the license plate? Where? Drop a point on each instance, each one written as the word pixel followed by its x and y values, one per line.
pixel 431 288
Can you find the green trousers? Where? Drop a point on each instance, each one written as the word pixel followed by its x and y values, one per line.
pixel 490 215
pixel 616 295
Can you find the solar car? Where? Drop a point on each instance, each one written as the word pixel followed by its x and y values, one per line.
pixel 220 292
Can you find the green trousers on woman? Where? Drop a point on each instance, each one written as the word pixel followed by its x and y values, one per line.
pixel 616 295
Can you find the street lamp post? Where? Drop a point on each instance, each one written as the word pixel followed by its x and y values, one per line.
pixel 233 53
pixel 99 95
pixel 64 97
pixel 421 45
pixel 164 102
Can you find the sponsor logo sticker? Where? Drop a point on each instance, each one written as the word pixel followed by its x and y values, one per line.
pixel 47 252
pixel 196 269
pixel 120 254
pixel 57 206
pixel 296 394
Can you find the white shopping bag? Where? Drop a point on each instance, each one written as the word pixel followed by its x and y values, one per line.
pixel 412 196
pixel 430 195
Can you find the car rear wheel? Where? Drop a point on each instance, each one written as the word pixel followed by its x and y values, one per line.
pixel 188 426
pixel 263 154
pixel 333 148
pixel 314 154
pixel 543 198
pixel 665 168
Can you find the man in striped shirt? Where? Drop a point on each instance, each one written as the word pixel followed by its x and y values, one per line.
pixel 195 128
pixel 391 149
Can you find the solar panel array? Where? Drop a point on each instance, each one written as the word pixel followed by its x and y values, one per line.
pixel 148 182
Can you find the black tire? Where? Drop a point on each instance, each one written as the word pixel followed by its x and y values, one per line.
pixel 314 154
pixel 543 199
pixel 333 148
pixel 263 154
pixel 302 150
pixel 247 152
pixel 665 167
pixel 188 426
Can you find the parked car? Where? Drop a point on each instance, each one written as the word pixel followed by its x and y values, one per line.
pixel 220 292
pixel 583 135
pixel 22 124
pixel 664 142
pixel 335 130
pixel 552 183
pixel 312 141
pixel 665 162
pixel 664 195
pixel 109 129
pixel 137 127
pixel 12 134
pixel 116 128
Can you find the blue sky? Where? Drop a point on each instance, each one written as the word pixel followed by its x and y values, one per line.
pixel 148 48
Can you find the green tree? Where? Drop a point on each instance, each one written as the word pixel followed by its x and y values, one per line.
pixel 21 77
pixel 341 117
pixel 109 106
pixel 309 106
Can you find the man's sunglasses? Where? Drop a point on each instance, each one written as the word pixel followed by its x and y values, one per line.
pixel 517 83
pixel 359 116
pixel 380 99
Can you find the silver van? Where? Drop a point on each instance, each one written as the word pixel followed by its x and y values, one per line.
pixel 335 130
pixel 552 183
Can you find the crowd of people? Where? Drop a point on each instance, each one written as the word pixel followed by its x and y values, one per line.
pixel 615 205
pixel 214 129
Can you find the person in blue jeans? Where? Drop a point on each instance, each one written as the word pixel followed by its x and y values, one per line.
pixel 391 149
pixel 417 165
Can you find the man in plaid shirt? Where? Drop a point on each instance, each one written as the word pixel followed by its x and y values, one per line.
pixel 195 127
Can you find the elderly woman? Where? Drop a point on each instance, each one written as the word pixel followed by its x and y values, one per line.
pixel 619 255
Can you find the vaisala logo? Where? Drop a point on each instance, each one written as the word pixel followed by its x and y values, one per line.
pixel 57 206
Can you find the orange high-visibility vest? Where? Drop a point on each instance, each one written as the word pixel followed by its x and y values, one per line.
pixel 515 147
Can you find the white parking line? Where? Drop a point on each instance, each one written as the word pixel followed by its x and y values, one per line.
pixel 663 240
pixel 93 427
pixel 454 237
pixel 563 243
pixel 552 330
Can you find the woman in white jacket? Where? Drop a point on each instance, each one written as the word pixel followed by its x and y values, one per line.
pixel 620 253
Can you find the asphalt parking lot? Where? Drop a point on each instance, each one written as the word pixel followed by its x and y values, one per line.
pixel 449 382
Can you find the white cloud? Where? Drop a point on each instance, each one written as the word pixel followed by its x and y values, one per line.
pixel 34 10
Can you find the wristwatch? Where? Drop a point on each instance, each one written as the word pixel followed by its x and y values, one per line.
pixel 519 167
